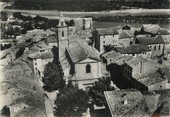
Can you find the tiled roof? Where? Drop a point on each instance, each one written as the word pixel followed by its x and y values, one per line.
pixel 135 61
pixel 150 28
pixel 163 31
pixel 145 40
pixel 42 45
pixel 117 105
pixel 43 55
pixel 79 50
pixel 51 39
pixel 108 31
pixel 126 34
pixel 132 49
pixel 111 54
pixel 150 78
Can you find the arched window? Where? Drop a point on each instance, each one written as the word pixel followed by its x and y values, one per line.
pixel 159 47
pixel 62 33
pixel 88 68
pixel 155 47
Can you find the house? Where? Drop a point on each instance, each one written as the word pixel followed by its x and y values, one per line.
pixel 139 73
pixel 126 103
pixel 83 23
pixel 6 43
pixel 109 56
pixel 85 64
pixel 156 44
pixel 126 38
pixel 105 37
pixel 51 41
pixel 126 35
pixel 38 60
pixel 134 50
pixel 151 29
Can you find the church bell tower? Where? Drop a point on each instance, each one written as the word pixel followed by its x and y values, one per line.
pixel 62 32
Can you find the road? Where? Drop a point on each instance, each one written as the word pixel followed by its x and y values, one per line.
pixel 55 13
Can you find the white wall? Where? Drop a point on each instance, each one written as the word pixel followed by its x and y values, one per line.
pixel 108 40
pixel 85 79
pixel 39 65
pixel 158 51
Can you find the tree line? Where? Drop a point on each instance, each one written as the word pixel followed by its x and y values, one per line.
pixel 147 19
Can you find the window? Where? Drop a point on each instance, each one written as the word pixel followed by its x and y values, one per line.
pixel 155 47
pixel 159 47
pixel 62 23
pixel 88 68
pixel 62 33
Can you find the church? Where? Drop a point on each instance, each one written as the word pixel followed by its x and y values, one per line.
pixel 80 62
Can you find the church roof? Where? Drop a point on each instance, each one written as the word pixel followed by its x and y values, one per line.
pixel 79 50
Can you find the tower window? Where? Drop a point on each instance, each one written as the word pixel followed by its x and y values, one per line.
pixel 88 68
pixel 62 24
pixel 62 33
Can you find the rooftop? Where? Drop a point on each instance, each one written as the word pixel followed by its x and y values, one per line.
pixel 146 40
pixel 133 49
pixel 163 31
pixel 51 39
pixel 150 28
pixel 126 34
pixel 110 54
pixel 79 50
pixel 121 102
pixel 108 31
pixel 150 78
pixel 43 55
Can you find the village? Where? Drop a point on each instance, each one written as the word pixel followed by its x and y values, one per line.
pixel 71 68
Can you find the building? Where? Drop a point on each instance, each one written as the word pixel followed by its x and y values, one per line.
pixel 6 43
pixel 62 35
pixel 126 36
pixel 51 41
pixel 139 73
pixel 85 64
pixel 109 56
pixel 83 23
pixel 105 37
pixel 150 29
pixel 126 103
pixel 135 50
pixel 156 44
pixel 38 60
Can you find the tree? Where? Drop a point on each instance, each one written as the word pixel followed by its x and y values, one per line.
pixel 20 52
pixel 53 77
pixel 97 91
pixel 4 16
pixel 71 102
